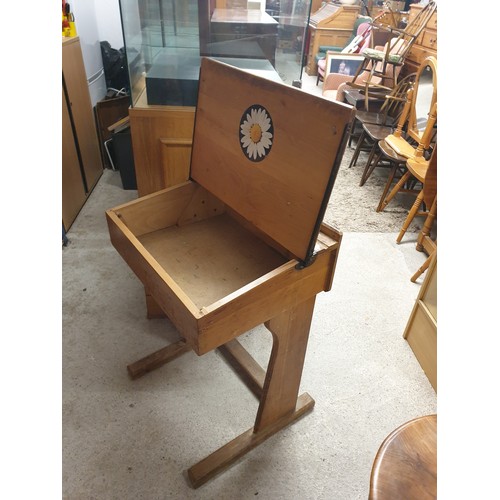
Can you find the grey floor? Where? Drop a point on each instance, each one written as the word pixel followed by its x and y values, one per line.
pixel 124 439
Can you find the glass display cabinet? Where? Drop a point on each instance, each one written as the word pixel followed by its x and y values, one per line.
pixel 165 40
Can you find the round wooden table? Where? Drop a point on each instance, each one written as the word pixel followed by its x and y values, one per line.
pixel 406 463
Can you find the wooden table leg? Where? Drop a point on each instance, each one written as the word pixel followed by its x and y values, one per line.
pixel 279 405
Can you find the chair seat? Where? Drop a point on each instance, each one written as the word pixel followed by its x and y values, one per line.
pixel 377 132
pixel 379 55
pixel 377 118
pixel 401 146
pixel 418 167
pixel 390 153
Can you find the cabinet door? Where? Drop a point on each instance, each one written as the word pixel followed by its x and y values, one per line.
pixel 80 107
pixel 73 191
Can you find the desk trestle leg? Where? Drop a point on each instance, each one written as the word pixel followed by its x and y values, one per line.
pixel 279 405
pixel 277 389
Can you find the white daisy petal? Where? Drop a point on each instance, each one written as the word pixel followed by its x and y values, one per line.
pixel 251 149
pixel 265 142
pixel 245 128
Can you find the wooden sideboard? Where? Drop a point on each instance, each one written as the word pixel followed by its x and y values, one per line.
pixel 81 156
pixel 330 25
pixel 425 45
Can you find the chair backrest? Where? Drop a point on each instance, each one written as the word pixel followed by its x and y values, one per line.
pixel 404 39
pixel 419 113
pixel 396 99
pixel 421 101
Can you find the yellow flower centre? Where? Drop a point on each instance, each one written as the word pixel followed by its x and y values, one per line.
pixel 255 133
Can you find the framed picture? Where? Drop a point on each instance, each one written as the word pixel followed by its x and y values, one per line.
pixel 343 64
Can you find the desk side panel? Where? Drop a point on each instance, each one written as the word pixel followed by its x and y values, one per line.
pixel 176 305
pixel 263 299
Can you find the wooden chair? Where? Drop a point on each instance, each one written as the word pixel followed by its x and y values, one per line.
pixel 415 129
pixel 398 169
pixel 405 466
pixel 425 242
pixel 375 126
pixel 384 63
pixel 389 112
pixel 421 171
pixel 419 119
pixel 371 134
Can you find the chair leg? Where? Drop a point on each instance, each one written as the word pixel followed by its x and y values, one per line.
pixel 422 268
pixel 395 189
pixel 387 186
pixel 355 155
pixel 411 215
pixel 427 227
pixel 370 165
pixel 351 133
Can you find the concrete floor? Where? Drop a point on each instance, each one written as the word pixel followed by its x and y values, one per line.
pixel 125 439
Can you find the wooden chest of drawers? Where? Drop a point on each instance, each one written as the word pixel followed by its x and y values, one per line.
pixel 425 45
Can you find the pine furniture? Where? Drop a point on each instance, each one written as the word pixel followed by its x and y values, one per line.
pixel 242 242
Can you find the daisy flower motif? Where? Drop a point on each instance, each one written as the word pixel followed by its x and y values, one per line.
pixel 256 132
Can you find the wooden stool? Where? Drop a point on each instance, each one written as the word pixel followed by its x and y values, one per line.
pixel 406 462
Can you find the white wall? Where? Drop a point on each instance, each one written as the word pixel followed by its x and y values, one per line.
pixel 109 22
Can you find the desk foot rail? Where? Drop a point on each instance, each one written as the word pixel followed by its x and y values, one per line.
pixel 228 454
pixel 157 359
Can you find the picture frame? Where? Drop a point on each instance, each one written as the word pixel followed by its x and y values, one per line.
pixel 344 64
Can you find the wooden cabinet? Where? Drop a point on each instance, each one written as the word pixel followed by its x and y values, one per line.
pixel 73 190
pixel 421 330
pixel 330 25
pixel 81 157
pixel 425 45
pixel 161 142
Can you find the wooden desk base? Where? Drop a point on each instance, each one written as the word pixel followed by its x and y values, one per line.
pixel 277 389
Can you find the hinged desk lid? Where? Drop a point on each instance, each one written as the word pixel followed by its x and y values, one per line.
pixel 269 151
